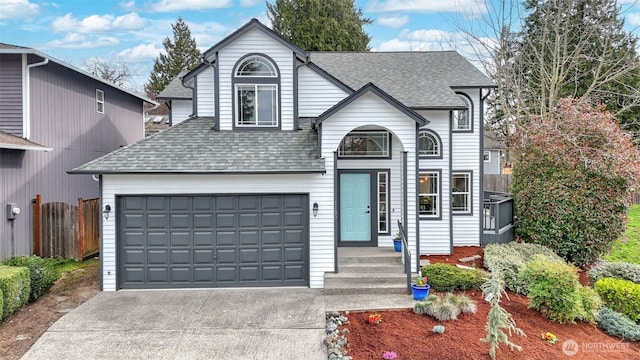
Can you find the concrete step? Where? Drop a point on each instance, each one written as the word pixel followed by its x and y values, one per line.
pixel 367 268
pixel 365 289
pixel 373 283
pixel 379 256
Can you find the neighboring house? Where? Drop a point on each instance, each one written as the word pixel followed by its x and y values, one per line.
pixel 178 99
pixel 290 155
pixel 493 155
pixel 53 117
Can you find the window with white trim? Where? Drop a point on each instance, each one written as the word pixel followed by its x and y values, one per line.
pixel 429 194
pixel 383 201
pixel 462 117
pixel 100 101
pixel 487 156
pixel 256 93
pixel 364 144
pixel 428 144
pixel 461 192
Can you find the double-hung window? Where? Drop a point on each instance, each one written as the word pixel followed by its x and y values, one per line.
pixel 429 194
pixel 100 101
pixel 256 93
pixel 461 192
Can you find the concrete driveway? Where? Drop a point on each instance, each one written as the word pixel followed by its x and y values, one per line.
pixel 190 324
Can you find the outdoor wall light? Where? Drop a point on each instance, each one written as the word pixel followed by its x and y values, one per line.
pixel 315 209
pixel 106 211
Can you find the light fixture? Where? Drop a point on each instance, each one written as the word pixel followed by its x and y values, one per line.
pixel 315 209
pixel 106 211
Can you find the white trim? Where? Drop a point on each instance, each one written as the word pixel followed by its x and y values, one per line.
pixel 26 89
pixel 466 192
pixel 100 102
pixel 488 153
pixel 436 195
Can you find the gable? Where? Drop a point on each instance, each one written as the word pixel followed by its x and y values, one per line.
pixel 317 93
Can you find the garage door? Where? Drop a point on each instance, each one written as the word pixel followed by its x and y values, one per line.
pixel 212 241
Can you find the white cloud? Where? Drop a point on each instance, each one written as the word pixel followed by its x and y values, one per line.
pixel 174 5
pixel 142 52
pixel 250 3
pixel 128 5
pixel 97 23
pixel 430 6
pixel 18 10
pixel 393 21
pixel 79 41
pixel 633 19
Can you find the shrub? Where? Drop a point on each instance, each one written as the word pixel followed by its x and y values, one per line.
pixel 445 308
pixel 15 287
pixel 590 304
pixel 510 259
pixel 620 295
pixel 616 324
pixel 618 270
pixel 41 271
pixel 576 170
pixel 554 290
pixel 448 278
pixel 1 305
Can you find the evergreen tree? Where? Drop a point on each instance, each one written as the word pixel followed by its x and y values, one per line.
pixel 320 25
pixel 181 54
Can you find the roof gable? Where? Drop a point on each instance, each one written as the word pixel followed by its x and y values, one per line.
pixel 254 24
pixel 176 90
pixel 371 88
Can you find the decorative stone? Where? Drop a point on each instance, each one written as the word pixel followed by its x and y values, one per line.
pixel 469 258
pixel 22 337
pixel 438 329
pixel 331 327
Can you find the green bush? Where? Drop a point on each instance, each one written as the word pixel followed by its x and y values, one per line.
pixel 1 305
pixel 620 295
pixel 448 278
pixel 590 304
pixel 510 259
pixel 618 270
pixel 15 287
pixel 554 290
pixel 616 324
pixel 41 271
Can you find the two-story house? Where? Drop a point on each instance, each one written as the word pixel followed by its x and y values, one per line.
pixel 53 117
pixel 290 155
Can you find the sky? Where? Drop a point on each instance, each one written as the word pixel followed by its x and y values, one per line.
pixel 133 30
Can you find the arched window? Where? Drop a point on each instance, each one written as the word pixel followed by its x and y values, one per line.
pixel 462 117
pixel 429 144
pixel 256 92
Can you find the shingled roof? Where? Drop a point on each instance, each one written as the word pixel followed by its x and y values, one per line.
pixel 420 80
pixel 193 147
pixel 12 142
pixel 175 89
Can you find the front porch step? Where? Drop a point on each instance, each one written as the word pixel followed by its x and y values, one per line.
pixel 367 271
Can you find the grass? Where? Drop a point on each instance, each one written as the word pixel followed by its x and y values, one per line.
pixel 66 265
pixel 627 247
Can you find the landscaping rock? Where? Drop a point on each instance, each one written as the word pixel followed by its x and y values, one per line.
pixel 470 259
pixel 336 340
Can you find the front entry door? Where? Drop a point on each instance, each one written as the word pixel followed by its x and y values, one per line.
pixel 356 210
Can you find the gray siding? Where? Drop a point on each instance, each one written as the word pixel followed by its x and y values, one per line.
pixel 493 165
pixel 64 117
pixel 11 94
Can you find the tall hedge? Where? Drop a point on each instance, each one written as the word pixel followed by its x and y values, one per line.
pixel 15 286
pixel 574 171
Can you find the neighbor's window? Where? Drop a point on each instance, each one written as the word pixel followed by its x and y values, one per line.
pixel 487 156
pixel 100 101
pixel 462 117
pixel 365 144
pixel 256 86
pixel 461 192
pixel 428 144
pixel 429 194
pixel 383 183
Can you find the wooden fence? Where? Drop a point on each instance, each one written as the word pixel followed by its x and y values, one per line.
pixel 497 182
pixel 65 230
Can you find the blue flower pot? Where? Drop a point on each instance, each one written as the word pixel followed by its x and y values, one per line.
pixel 397 245
pixel 420 292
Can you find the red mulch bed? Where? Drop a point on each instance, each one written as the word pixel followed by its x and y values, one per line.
pixel 410 336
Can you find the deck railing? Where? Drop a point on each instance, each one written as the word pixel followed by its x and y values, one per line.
pixel 497 218
pixel 406 255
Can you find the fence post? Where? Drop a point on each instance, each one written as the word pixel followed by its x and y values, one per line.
pixel 37 225
pixel 80 229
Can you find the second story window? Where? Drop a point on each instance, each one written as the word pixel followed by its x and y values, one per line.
pixel 462 117
pixel 256 92
pixel 100 101
pixel 429 144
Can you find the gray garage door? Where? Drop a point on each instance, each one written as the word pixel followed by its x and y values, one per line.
pixel 213 241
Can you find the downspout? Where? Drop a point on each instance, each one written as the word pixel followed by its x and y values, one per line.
pixel 26 96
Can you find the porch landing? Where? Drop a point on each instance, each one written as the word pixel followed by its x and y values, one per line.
pixel 366 271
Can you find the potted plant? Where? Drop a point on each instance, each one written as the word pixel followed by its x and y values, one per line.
pixel 420 288
pixel 397 242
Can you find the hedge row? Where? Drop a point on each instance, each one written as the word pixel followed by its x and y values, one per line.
pixel 15 285
pixel 41 271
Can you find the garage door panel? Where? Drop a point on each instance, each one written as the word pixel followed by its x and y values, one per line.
pixel 158 257
pixel 249 238
pixel 212 240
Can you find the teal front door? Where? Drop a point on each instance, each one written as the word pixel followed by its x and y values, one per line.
pixel 355 210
